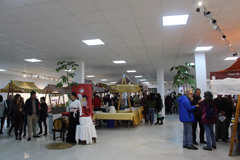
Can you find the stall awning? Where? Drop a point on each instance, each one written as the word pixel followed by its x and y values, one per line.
pixel 21 87
pixel 128 79
pixel 51 88
pixel 226 81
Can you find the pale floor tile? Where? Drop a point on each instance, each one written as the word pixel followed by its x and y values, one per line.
pixel 142 143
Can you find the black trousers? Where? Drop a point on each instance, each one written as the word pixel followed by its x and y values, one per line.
pixel 42 119
pixel 2 123
pixel 194 127
pixel 25 124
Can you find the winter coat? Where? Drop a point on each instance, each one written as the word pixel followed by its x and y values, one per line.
pixel 29 108
pixel 159 104
pixel 14 110
pixel 2 108
pixel 185 109
pixel 151 103
pixel 221 104
pixel 43 110
pixel 196 112
pixel 204 119
pixel 168 101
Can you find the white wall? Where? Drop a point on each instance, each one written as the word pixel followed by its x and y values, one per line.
pixel 40 83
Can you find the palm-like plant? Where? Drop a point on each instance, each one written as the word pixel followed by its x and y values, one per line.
pixel 183 76
pixel 69 67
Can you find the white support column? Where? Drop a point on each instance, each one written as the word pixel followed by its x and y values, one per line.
pixel 201 73
pixel 80 73
pixel 160 87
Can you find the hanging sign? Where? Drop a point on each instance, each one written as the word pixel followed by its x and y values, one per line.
pixel 124 88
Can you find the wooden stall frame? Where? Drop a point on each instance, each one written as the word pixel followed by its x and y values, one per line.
pixel 234 132
pixel 125 82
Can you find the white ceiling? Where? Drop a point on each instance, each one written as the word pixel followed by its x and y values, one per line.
pixel 132 30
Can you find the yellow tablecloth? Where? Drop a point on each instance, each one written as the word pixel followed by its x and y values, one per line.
pixel 135 116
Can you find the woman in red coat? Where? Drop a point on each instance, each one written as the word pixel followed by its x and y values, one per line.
pixel 209 118
pixel 17 110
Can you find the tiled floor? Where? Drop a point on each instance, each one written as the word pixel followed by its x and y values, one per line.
pixel 142 143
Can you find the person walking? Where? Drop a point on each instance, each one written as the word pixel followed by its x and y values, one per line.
pixel 17 115
pixel 159 106
pixel 2 116
pixel 197 115
pixel 43 116
pixel 208 119
pixel 221 131
pixel 169 103
pixel 229 112
pixel 8 102
pixel 32 112
pixel 187 118
pixel 151 104
pixel 145 109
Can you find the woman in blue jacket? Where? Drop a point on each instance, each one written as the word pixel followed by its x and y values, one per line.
pixel 186 116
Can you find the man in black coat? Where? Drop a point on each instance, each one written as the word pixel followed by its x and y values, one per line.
pixel 197 114
pixel 32 112
pixel 43 116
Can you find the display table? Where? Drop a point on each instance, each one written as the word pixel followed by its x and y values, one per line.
pixel 86 134
pixel 135 116
pixel 51 118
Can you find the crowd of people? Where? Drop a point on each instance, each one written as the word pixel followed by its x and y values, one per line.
pixel 20 114
pixel 206 113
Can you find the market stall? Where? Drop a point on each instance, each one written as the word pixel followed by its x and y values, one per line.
pixel 227 82
pixel 15 86
pixel 130 114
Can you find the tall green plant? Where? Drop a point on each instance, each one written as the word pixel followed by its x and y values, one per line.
pixel 69 67
pixel 183 76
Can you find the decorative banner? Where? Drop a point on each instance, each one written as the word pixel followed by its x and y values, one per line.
pixel 84 92
pixel 124 88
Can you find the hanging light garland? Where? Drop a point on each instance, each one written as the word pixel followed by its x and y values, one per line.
pixel 202 9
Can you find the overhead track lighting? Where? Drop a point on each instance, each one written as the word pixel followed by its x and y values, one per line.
pixel 223 37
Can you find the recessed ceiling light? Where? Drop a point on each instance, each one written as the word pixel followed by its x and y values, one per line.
pixel 113 82
pixel 103 79
pixel 33 60
pixel 131 71
pixel 145 82
pixel 138 76
pixel 142 79
pixel 90 76
pixel 206 48
pixel 24 75
pixel 68 70
pixel 192 64
pixel 93 42
pixel 2 70
pixel 231 58
pixel 119 62
pixel 175 20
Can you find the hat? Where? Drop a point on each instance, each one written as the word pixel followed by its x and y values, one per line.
pixel 208 94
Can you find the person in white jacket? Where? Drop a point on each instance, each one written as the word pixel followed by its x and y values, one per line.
pixel 75 113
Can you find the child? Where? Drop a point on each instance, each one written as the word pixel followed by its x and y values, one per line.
pixel 43 116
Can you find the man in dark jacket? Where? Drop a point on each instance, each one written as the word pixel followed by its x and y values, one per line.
pixel 151 104
pixel 32 111
pixel 107 100
pixel 43 116
pixel 197 114
pixel 221 104
pixel 186 116
pixel 229 112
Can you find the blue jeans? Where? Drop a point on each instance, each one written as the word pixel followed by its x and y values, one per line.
pixel 151 111
pixel 187 134
pixel 211 140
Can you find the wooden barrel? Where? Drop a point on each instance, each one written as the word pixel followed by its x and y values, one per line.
pixel 61 123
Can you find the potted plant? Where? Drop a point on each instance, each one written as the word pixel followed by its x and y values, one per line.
pixel 183 76
pixel 69 67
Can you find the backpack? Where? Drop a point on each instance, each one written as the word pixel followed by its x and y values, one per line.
pixel 210 111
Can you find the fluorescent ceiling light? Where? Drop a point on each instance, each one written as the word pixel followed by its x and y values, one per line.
pixel 145 82
pixel 231 58
pixel 2 70
pixel 131 71
pixel 142 79
pixel 138 76
pixel 68 70
pixel 103 79
pixel 175 20
pixel 90 76
pixel 33 60
pixel 93 42
pixel 113 82
pixel 119 62
pixel 206 48
pixel 24 75
pixel 192 64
